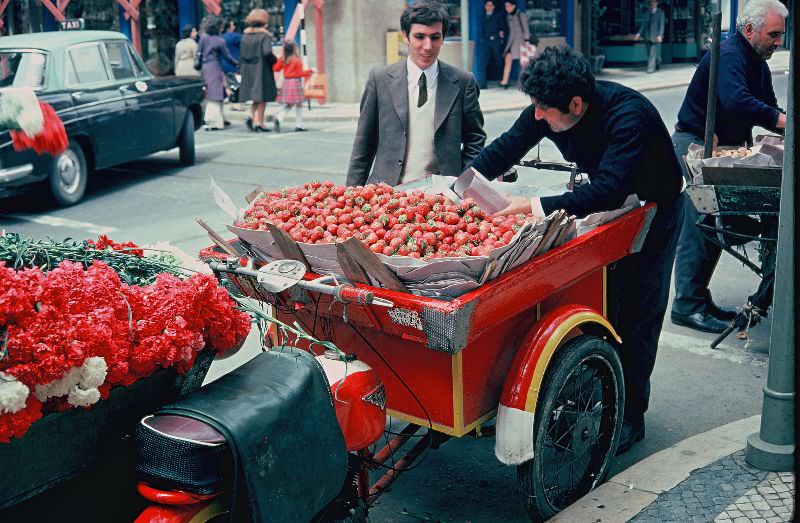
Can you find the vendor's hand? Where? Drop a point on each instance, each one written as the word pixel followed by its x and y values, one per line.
pixel 658 39
pixel 781 124
pixel 517 205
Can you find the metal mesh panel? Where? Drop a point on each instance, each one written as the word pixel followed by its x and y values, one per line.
pixel 171 463
pixel 447 331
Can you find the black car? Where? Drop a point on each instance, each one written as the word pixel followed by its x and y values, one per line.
pixel 114 110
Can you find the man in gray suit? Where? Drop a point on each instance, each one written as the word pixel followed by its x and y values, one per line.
pixel 652 30
pixel 418 116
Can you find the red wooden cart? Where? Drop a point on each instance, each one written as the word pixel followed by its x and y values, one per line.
pixel 533 348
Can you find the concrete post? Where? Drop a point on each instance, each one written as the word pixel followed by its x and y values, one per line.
pixel 773 447
pixel 354 42
pixel 465 34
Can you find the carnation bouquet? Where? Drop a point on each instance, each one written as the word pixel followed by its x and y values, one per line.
pixel 32 124
pixel 78 318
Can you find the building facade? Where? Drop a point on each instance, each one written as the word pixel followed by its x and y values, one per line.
pixel 347 38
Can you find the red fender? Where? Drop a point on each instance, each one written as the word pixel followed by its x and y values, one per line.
pixel 521 389
pixel 515 414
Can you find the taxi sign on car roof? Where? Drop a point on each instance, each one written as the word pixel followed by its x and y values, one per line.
pixel 72 24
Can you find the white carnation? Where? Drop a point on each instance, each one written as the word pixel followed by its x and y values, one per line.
pixel 93 372
pixel 79 397
pixel 60 387
pixel 13 394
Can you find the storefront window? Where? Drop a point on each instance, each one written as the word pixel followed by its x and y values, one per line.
pixel 454 10
pixel 544 17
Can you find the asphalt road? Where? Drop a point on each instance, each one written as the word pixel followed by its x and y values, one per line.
pixel 694 388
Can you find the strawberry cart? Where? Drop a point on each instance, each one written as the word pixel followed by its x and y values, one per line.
pixel 532 348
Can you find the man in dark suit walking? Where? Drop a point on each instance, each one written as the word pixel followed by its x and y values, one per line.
pixel 494 28
pixel 652 31
pixel 418 116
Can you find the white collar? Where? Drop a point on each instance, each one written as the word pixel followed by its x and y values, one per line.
pixel 414 72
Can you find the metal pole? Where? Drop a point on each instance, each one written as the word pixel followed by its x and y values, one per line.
pixel 465 35
pixel 772 448
pixel 713 73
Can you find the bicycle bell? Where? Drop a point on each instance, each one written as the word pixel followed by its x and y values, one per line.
pixel 279 275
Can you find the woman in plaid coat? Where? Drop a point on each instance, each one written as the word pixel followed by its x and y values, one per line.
pixel 291 94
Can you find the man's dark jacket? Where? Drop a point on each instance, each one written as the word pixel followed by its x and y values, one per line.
pixel 746 97
pixel 492 25
pixel 621 142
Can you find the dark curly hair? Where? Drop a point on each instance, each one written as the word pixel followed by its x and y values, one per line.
pixel 557 75
pixel 213 24
pixel 425 13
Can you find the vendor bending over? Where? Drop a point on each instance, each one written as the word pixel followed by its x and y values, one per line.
pixel 616 136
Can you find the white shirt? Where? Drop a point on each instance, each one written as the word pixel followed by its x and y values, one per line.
pixel 420 158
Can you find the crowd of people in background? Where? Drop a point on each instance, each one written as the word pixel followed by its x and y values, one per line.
pixel 240 66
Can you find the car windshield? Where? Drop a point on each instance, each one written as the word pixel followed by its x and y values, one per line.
pixel 22 69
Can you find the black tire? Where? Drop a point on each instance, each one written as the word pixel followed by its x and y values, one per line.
pixel 576 428
pixel 186 140
pixel 68 175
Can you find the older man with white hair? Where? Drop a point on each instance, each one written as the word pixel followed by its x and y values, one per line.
pixel 745 99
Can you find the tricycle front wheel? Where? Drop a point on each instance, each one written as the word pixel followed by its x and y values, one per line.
pixel 577 426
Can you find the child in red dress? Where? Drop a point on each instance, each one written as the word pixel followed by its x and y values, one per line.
pixel 291 94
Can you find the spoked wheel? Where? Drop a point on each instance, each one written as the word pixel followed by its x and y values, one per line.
pixel 576 429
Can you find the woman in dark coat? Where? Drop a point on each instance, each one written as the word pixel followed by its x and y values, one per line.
pixel 211 47
pixel 258 81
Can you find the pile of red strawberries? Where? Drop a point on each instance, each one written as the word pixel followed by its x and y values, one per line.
pixel 387 221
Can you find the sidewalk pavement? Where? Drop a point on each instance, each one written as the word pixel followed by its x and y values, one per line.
pixel 496 99
pixel 702 478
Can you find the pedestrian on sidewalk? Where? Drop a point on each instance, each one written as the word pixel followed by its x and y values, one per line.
pixel 746 98
pixel 291 93
pixel 615 134
pixel 652 30
pixel 211 48
pixel 257 59
pixel 418 116
pixel 518 35
pixel 494 28
pixel 186 52
pixel 233 39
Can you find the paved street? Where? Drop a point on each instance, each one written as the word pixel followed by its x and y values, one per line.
pixel 694 388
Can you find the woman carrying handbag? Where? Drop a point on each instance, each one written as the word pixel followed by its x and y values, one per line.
pixel 518 35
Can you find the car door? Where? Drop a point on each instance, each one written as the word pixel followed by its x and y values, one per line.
pixel 97 101
pixel 150 109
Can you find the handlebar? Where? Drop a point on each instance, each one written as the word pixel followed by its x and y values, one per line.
pixel 343 292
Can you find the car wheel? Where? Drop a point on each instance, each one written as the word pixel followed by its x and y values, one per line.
pixel 68 175
pixel 186 140
pixel 576 429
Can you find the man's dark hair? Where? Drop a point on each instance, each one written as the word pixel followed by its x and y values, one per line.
pixel 556 75
pixel 187 30
pixel 425 13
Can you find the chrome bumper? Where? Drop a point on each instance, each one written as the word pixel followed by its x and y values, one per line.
pixel 15 173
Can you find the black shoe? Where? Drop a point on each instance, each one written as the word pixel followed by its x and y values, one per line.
pixel 699 321
pixel 300 129
pixel 720 313
pixel 226 123
pixel 632 433
pixel 504 86
pixel 277 126
pixel 260 129
pixel 249 123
